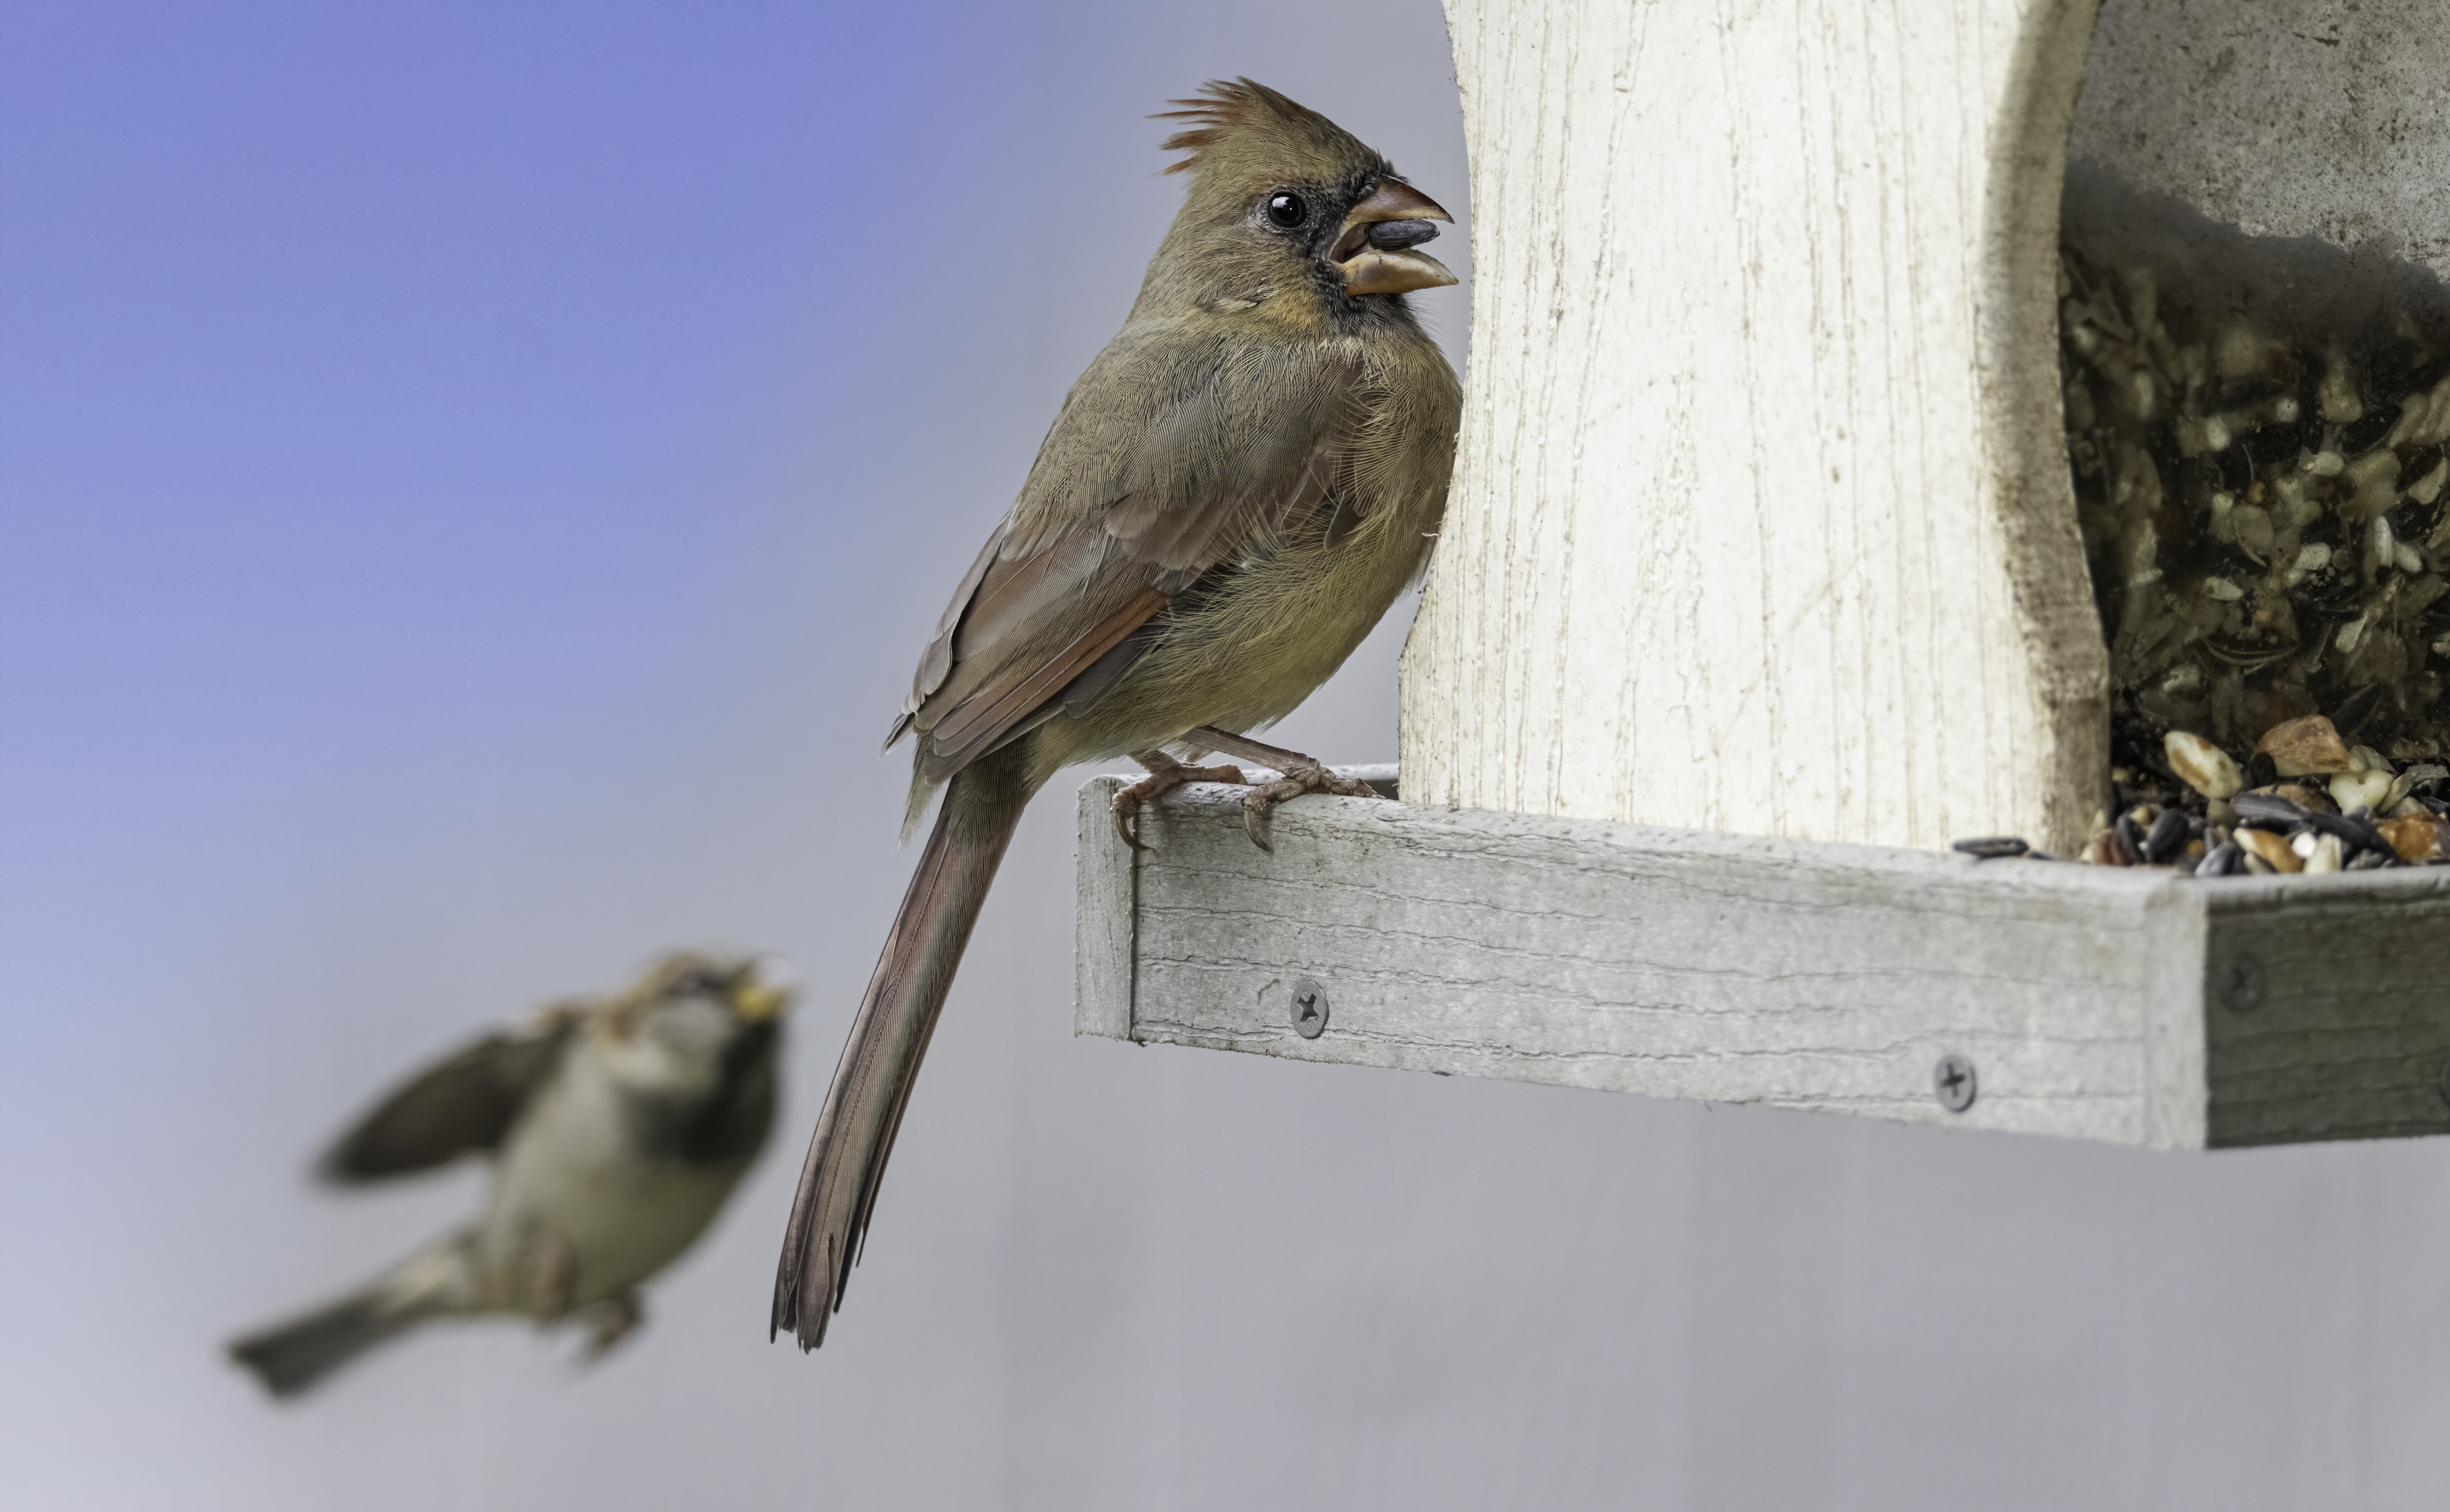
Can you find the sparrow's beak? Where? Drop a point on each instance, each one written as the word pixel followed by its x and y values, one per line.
pixel 1376 247
pixel 763 991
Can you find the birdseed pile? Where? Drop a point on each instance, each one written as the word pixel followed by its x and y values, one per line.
pixel 2265 523
pixel 2256 432
pixel 2304 799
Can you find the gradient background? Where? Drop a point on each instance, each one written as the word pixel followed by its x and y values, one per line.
pixel 475 480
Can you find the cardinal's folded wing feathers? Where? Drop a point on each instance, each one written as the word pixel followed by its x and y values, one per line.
pixel 1062 586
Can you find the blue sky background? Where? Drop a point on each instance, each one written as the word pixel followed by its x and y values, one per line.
pixel 473 480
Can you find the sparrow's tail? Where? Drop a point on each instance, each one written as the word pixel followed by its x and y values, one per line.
pixel 292 1356
pixel 871 1085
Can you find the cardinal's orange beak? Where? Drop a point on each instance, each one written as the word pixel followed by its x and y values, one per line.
pixel 1377 262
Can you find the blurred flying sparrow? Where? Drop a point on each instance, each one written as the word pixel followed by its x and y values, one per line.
pixel 617 1129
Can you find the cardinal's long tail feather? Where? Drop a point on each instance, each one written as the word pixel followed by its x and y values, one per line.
pixel 872 1082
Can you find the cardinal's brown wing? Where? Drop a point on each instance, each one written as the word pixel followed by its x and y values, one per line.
pixel 1035 624
pixel 1042 607
pixel 460 1105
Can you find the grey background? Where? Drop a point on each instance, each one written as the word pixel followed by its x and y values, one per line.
pixel 475 479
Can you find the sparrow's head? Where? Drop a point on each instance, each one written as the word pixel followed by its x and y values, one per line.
pixel 692 1049
pixel 1284 202
pixel 691 1013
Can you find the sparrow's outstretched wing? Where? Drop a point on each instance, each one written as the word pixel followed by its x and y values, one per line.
pixel 459 1106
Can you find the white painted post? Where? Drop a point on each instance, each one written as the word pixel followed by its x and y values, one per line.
pixel 1762 520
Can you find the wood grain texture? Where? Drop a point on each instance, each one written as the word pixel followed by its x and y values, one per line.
pixel 2093 1002
pixel 1103 923
pixel 1762 520
pixel 2328 1011
pixel 1102 928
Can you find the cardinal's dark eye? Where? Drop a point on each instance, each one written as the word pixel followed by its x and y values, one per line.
pixel 1287 210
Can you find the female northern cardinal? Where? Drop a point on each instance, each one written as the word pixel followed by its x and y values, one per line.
pixel 1232 495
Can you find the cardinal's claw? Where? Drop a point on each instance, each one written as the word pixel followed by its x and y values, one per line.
pixel 1165 774
pixel 1302 775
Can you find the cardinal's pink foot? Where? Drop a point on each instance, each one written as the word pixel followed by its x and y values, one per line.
pixel 1302 774
pixel 1165 774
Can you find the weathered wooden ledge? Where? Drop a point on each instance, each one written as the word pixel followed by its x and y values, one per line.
pixel 2130 1006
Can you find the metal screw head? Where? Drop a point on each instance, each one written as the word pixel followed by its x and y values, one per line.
pixel 1952 1081
pixel 1310 1008
pixel 2239 984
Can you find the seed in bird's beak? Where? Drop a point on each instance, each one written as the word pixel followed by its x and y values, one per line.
pixel 1393 235
pixel 1375 248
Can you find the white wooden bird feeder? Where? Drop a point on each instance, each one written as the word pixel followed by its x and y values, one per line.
pixel 1764 579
